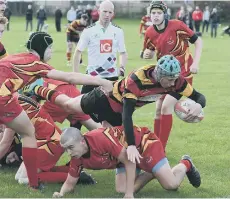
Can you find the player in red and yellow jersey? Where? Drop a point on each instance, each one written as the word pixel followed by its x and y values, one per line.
pixel 18 70
pixel 141 87
pixel 48 142
pixel 105 148
pixel 170 37
pixel 73 34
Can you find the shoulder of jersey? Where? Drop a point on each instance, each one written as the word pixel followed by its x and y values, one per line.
pixel 116 25
pixel 92 25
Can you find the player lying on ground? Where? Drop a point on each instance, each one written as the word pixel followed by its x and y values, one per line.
pixel 21 69
pixel 105 148
pixel 49 150
pixel 57 113
pixel 141 87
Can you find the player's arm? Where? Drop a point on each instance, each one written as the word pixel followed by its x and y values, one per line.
pixel 123 60
pixel 148 48
pixel 197 55
pixel 187 91
pixel 123 54
pixel 80 79
pixel 130 168
pixel 67 187
pixel 72 178
pixel 128 109
pixel 8 137
pixel 197 41
pixel 81 46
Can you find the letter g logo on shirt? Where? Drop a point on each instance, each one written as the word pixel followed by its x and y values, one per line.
pixel 106 46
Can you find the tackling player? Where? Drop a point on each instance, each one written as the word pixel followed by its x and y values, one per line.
pixel 21 69
pixel 105 148
pixel 170 37
pixel 73 32
pixel 139 88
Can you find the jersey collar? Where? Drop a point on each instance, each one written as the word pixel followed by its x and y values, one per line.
pixel 101 27
pixel 161 31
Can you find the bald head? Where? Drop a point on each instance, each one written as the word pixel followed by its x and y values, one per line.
pixel 106 5
pixel 69 136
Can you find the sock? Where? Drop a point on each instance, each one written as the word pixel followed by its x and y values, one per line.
pixel 68 55
pixel 187 164
pixel 165 128
pixel 30 160
pixel 157 127
pixel 52 177
pixel 64 169
pixel 46 93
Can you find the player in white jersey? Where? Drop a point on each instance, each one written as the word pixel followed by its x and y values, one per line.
pixel 103 40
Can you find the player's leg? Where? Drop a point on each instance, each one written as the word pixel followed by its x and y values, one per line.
pixel 25 129
pixel 166 118
pixel 120 178
pixel 171 179
pixel 158 116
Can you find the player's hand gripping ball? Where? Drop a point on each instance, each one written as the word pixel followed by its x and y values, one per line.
pixel 182 108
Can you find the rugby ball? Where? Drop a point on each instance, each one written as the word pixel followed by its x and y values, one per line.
pixel 181 109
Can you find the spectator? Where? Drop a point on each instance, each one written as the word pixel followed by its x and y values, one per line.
pixel 188 17
pixel 169 13
pixel 88 12
pixel 206 18
pixel 7 14
pixel 41 16
pixel 197 16
pixel 71 15
pixel 180 14
pixel 29 17
pixel 79 11
pixel 58 16
pixel 215 20
pixel 95 14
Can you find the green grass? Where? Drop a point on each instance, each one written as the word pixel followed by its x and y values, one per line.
pixel 206 142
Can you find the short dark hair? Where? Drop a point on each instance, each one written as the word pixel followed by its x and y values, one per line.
pixel 84 16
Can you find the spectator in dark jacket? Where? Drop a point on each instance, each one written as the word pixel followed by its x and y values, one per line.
pixel 215 20
pixel 7 14
pixel 29 17
pixel 41 16
pixel 58 16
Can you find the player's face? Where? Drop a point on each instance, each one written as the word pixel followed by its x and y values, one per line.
pixel 2 6
pixel 167 82
pixel 76 150
pixel 105 14
pixel 157 16
pixel 84 22
pixel 48 53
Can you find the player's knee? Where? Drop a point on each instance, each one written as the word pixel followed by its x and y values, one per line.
pixel 120 189
pixel 171 185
